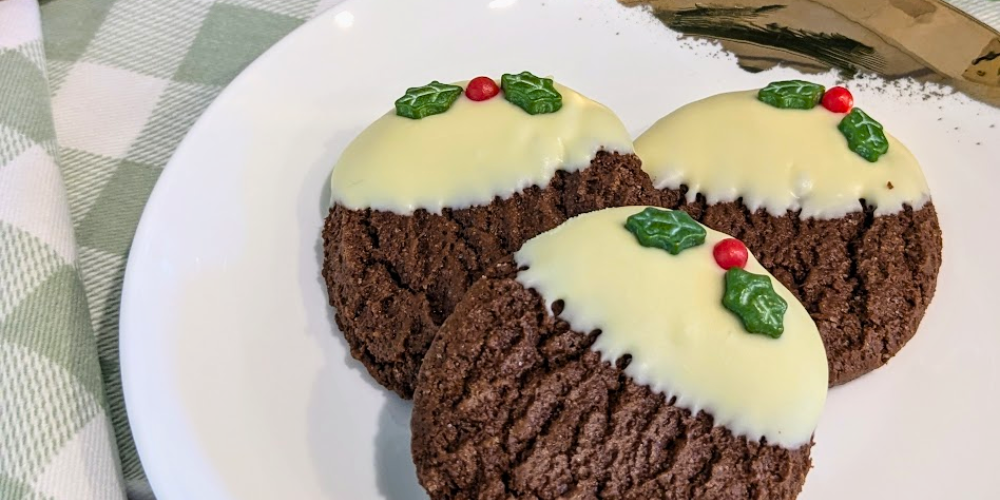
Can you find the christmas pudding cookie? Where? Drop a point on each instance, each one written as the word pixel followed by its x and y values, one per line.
pixel 442 187
pixel 629 353
pixel 832 205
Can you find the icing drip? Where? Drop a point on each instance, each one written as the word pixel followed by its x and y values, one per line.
pixel 471 154
pixel 666 312
pixel 732 145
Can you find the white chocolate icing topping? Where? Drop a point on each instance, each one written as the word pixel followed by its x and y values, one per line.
pixel 666 312
pixel 732 145
pixel 472 153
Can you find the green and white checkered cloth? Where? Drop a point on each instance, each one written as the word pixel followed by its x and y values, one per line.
pixel 94 97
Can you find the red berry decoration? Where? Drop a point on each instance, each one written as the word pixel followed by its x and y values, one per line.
pixel 730 253
pixel 838 100
pixel 481 88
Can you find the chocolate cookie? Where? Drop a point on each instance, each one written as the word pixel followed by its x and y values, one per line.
pixel 511 403
pixel 836 208
pixel 422 207
pixel 394 279
pixel 514 400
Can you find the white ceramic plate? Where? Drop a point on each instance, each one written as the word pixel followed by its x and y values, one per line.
pixel 238 385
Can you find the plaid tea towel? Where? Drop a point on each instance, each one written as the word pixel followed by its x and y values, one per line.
pixel 94 97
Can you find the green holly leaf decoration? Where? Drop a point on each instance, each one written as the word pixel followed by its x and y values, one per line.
pixel 531 93
pixel 670 230
pixel 751 297
pixel 864 135
pixel 792 94
pixel 431 99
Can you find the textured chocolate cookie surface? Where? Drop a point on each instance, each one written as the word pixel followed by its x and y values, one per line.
pixel 511 403
pixel 866 280
pixel 393 278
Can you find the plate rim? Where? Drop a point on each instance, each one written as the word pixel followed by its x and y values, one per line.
pixel 129 326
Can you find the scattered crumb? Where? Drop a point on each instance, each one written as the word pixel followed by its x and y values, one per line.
pixel 993 125
pixel 956 128
pixel 889 185
pixel 617 33
pixel 939 118
pixel 979 144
